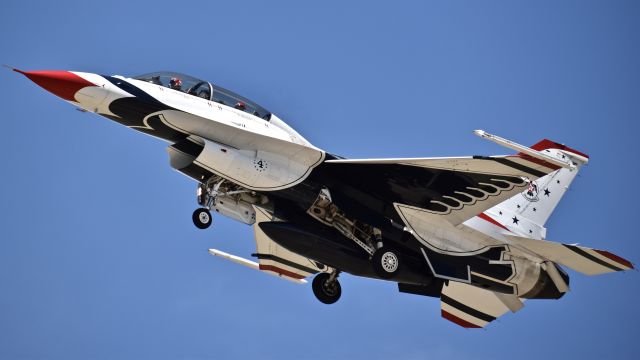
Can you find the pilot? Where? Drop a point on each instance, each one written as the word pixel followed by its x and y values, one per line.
pixel 156 80
pixel 175 83
pixel 240 105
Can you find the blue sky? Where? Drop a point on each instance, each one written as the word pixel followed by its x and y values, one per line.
pixel 98 255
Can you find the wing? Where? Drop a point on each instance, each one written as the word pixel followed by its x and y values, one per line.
pixel 457 188
pixel 473 307
pixel 276 260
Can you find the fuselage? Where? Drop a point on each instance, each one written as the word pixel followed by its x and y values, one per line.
pixel 241 142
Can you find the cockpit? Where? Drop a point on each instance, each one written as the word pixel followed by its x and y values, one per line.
pixel 204 89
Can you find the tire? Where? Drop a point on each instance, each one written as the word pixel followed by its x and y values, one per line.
pixel 386 262
pixel 202 218
pixel 324 291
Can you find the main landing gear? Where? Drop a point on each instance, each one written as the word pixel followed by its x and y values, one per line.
pixel 326 287
pixel 386 262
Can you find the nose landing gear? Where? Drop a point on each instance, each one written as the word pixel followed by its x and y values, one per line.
pixel 228 200
pixel 202 218
pixel 206 196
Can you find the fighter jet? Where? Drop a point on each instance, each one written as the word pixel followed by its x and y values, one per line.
pixel 467 230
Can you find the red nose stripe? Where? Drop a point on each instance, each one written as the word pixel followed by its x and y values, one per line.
pixel 62 83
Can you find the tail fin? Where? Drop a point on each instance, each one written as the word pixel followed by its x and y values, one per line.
pixel 537 202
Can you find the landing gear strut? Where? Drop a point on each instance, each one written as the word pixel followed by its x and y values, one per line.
pixel 227 199
pixel 206 197
pixel 202 217
pixel 326 287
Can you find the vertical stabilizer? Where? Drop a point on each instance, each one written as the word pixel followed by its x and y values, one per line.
pixel 531 209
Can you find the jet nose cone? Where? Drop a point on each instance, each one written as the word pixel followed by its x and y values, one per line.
pixel 64 84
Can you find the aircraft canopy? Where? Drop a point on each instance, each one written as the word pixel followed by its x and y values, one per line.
pixel 204 89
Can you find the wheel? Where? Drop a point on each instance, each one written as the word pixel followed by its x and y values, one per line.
pixel 386 262
pixel 326 291
pixel 202 218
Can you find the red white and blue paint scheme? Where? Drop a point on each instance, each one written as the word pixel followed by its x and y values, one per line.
pixel 468 230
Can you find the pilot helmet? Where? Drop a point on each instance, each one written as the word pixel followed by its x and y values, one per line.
pixel 175 81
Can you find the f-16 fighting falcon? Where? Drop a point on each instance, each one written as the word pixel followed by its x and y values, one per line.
pixel 467 230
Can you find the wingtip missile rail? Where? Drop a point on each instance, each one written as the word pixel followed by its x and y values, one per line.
pixel 525 149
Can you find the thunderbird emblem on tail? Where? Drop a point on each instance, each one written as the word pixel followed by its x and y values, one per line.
pixel 467 230
pixel 532 192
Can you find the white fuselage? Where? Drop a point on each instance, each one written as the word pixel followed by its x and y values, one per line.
pixel 265 156
pixel 287 158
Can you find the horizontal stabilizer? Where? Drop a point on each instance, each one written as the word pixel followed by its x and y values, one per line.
pixel 472 307
pixel 579 258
